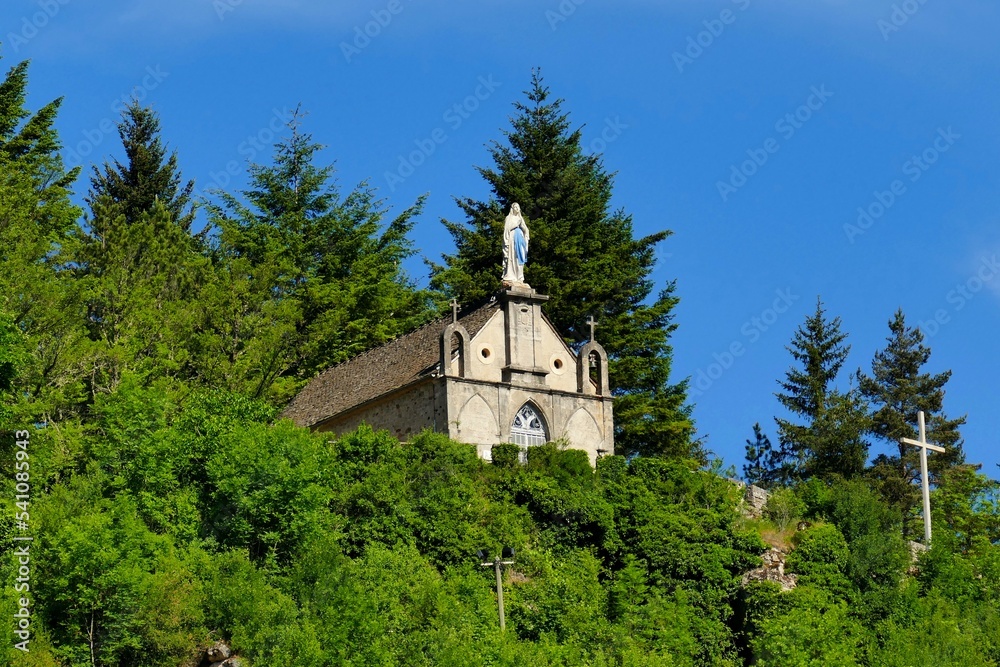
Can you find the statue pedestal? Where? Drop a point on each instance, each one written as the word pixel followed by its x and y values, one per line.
pixel 522 307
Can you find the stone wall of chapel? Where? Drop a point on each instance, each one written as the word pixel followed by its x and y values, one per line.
pixel 482 413
pixel 554 356
pixel 404 414
pixel 487 351
pixel 485 413
pixel 477 420
pixel 489 355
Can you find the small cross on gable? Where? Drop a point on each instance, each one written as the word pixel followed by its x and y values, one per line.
pixel 454 310
pixel 593 325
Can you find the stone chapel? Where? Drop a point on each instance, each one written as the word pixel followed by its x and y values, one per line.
pixel 499 373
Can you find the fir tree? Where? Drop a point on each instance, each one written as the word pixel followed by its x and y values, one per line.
pixel 764 463
pixel 148 174
pixel 136 259
pixel 585 257
pixel 897 389
pixel 37 219
pixel 838 444
pixel 825 440
pixel 305 277
pixel 30 141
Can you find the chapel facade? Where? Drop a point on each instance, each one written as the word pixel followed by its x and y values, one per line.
pixel 499 373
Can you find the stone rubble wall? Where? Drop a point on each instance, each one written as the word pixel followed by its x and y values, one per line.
pixel 773 569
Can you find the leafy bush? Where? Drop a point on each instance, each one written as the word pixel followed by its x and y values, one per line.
pixel 821 555
pixel 505 455
pixel 815 493
pixel 815 630
pixel 784 507
pixel 873 532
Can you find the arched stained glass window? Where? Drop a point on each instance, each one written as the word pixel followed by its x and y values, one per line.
pixel 528 428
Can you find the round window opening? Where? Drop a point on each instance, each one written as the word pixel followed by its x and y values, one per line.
pixel 558 364
pixel 485 353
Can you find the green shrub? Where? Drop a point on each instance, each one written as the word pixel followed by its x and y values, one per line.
pixel 821 555
pixel 505 455
pixel 815 493
pixel 873 532
pixel 815 630
pixel 783 507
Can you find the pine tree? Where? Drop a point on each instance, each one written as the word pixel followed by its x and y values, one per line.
pixel 838 444
pixel 585 257
pixel 37 218
pixel 30 141
pixel 897 389
pixel 764 466
pixel 828 438
pixel 136 260
pixel 148 174
pixel 304 277
pixel 35 182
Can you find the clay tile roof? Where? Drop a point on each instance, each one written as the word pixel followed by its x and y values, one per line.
pixel 378 371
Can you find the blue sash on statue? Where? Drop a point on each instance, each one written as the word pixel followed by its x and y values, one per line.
pixel 520 247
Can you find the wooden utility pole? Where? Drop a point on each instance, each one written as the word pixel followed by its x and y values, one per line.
pixel 506 557
pixel 503 624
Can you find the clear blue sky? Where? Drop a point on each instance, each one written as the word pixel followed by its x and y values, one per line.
pixel 841 103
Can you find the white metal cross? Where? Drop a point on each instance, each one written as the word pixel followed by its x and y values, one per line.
pixel 924 446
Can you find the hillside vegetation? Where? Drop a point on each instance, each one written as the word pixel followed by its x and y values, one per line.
pixel 168 524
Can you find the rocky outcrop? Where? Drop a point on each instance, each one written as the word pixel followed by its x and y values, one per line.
pixel 773 569
pixel 754 500
pixel 220 654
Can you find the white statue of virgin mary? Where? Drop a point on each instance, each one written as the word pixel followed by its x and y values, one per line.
pixel 515 246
